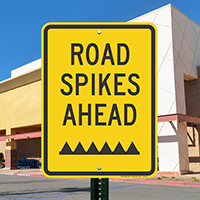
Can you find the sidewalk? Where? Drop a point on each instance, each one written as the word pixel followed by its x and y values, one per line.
pixel 23 172
pixel 190 180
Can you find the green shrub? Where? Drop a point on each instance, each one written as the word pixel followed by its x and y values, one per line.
pixel 194 179
pixel 1 158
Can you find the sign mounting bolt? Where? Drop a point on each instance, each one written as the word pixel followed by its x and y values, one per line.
pixel 99 168
pixel 99 32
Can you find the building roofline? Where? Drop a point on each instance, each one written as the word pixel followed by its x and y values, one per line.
pixel 185 15
pixel 19 81
pixel 172 6
pixel 147 13
pixel 26 68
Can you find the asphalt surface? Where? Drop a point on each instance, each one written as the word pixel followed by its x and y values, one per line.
pixel 19 187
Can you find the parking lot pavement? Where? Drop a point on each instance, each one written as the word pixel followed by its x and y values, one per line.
pixel 17 187
pixel 191 180
pixel 39 188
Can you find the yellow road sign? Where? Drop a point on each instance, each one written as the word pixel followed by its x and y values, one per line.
pixel 99 100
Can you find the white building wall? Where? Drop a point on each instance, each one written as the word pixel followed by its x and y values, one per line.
pixel 177 47
pixel 186 46
pixel 186 49
pixel 178 58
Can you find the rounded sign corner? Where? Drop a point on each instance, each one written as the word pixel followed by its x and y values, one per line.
pixel 46 27
pixel 152 172
pixel 153 27
pixel 46 172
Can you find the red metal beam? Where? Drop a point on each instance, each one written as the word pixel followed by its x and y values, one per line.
pixel 167 118
pixel 179 117
pixel 190 119
pixel 21 136
pixel 162 118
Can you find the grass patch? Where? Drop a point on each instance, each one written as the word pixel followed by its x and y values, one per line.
pixel 194 179
pixel 159 178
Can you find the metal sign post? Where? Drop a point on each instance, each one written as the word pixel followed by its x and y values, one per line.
pixel 99 188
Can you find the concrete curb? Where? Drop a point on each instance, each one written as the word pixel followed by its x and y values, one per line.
pixel 32 175
pixel 141 181
pixel 158 182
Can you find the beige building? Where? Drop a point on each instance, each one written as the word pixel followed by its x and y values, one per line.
pixel 178 98
pixel 20 120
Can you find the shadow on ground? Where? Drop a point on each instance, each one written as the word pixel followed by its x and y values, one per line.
pixel 64 190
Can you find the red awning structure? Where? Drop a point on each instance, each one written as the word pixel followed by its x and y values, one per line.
pixel 21 136
pixel 191 120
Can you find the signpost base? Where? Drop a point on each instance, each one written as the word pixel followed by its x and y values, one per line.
pixel 99 188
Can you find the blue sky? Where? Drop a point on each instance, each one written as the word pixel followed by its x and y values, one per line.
pixel 21 22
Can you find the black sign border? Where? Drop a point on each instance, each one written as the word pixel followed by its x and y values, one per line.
pixel 153 96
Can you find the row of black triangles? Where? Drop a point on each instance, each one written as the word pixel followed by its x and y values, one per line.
pixel 105 150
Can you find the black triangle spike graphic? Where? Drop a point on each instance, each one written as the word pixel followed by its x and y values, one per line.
pixel 92 149
pixel 79 149
pixel 119 149
pixel 132 149
pixel 66 149
pixel 105 149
